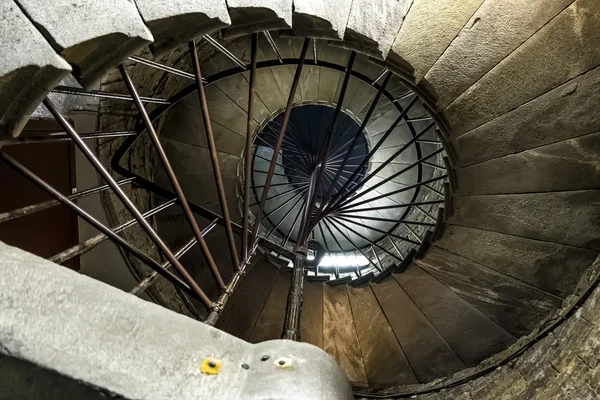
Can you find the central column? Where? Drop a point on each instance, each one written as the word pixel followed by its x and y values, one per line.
pixel 291 327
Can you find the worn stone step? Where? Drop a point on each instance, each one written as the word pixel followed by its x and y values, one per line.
pixel 258 15
pixel 320 19
pixel 570 218
pixel 553 267
pixel 29 70
pixel 385 362
pixel 339 334
pixel 542 63
pixel 508 23
pixel 269 325
pixel 97 37
pixel 374 25
pixel 426 350
pixel 175 23
pixel 562 113
pixel 243 309
pixel 568 165
pixel 423 38
pixel 514 305
pixel 469 332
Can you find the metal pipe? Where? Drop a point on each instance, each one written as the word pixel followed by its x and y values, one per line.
pixel 283 218
pixel 248 150
pixel 423 203
pixel 369 156
pixel 396 248
pixel 352 145
pixel 92 242
pixel 212 149
pixel 150 279
pixel 163 67
pixel 226 52
pixel 307 225
pixel 286 117
pixel 105 95
pixel 347 196
pixel 27 210
pixel 367 240
pixel 293 312
pixel 177 187
pixel 390 234
pixel 389 178
pixel 219 305
pixel 273 46
pixel 386 195
pixel 287 237
pixel 94 222
pixel 307 212
pixel 63 137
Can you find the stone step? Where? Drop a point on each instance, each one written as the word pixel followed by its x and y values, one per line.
pixel 243 309
pixel 26 78
pixel 514 305
pixel 426 350
pixel 97 37
pixel 175 23
pixel 469 332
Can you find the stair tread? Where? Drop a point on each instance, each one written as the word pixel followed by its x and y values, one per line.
pixel 469 332
pixel 243 309
pixel 98 37
pixel 385 362
pixel 514 305
pixel 175 23
pixel 426 350
pixel 38 65
pixel 339 334
pixel 269 325
pixel 311 323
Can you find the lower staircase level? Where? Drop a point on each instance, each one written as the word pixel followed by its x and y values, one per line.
pixel 411 328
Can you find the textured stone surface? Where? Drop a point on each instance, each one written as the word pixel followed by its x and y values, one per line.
pixel 258 15
pixel 29 69
pixel 571 218
pixel 375 23
pixel 323 19
pixel 470 333
pixel 562 113
pixel 385 362
pixel 563 49
pixel 339 334
pixel 569 165
pixel 429 27
pixel 549 266
pixel 512 304
pixel 97 37
pixel 96 334
pixel 426 350
pixel 177 21
pixel 311 324
pixel 493 32
pixel 269 325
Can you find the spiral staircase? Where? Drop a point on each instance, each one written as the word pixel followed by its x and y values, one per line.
pixel 434 166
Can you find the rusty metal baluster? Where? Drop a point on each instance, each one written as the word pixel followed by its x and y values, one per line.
pixel 277 148
pixel 123 197
pixel 248 155
pixel 212 148
pixel 175 183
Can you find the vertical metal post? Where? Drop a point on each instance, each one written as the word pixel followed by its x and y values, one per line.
pixel 291 327
pixel 175 183
pixel 212 149
pixel 277 148
pixel 248 155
